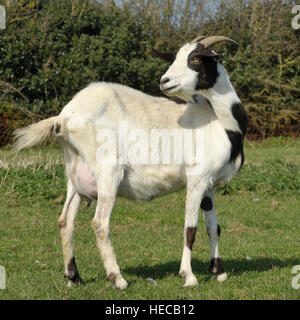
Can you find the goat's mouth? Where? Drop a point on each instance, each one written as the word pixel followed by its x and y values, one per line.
pixel 170 89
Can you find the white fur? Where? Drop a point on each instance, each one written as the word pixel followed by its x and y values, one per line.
pixel 104 105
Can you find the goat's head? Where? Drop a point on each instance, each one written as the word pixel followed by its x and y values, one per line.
pixel 194 69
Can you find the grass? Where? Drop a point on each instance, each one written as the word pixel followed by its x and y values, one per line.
pixel 258 213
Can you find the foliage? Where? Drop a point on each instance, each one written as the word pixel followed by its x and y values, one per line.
pixel 68 44
pixel 52 49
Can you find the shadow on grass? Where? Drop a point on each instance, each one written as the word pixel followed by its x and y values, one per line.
pixel 235 267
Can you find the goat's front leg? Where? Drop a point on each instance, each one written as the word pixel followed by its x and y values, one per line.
pixel 107 190
pixel 214 231
pixel 195 192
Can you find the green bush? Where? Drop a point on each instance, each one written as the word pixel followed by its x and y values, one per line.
pixel 52 49
pixel 66 45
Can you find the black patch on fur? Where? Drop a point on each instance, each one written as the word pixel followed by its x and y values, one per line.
pixel 219 231
pixel 237 138
pixel 206 69
pixel 206 204
pixel 190 236
pixel 73 273
pixel 240 116
pixel 216 266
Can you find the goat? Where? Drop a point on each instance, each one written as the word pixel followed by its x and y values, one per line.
pixel 213 110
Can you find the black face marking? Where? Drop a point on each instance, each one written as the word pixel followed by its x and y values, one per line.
pixel 203 61
pixel 206 204
pixel 219 231
pixel 73 273
pixel 216 266
pixel 190 236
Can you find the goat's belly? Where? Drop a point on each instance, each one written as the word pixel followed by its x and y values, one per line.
pixel 140 183
pixel 147 183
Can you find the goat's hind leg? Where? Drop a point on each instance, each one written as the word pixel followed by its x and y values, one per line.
pixel 68 216
pixel 70 194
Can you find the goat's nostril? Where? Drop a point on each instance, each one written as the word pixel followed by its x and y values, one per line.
pixel 164 80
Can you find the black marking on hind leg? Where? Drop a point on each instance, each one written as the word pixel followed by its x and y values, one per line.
pixel 215 267
pixel 206 204
pixel 73 273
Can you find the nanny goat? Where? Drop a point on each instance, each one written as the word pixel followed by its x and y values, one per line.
pixel 213 112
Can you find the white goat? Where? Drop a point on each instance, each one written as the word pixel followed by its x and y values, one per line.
pixel 218 119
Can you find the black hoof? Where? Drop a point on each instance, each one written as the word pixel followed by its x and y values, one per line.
pixel 215 267
pixel 73 273
pixel 77 280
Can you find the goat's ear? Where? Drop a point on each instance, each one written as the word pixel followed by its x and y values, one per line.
pixel 207 52
pixel 167 56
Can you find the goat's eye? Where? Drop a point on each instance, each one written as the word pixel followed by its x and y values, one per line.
pixel 196 60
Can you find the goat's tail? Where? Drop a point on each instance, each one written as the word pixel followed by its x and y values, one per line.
pixel 36 133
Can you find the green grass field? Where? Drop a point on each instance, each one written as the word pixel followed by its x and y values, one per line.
pixel 258 213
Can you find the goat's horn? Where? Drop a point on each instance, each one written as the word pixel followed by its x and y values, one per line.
pixel 197 39
pixel 209 41
pixel 168 56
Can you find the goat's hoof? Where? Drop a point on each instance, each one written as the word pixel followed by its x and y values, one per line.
pixel 191 281
pixel 72 283
pixel 121 284
pixel 220 277
pixel 76 280
pixel 182 274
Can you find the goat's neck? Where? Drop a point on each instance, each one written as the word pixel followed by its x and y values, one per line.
pixel 222 98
